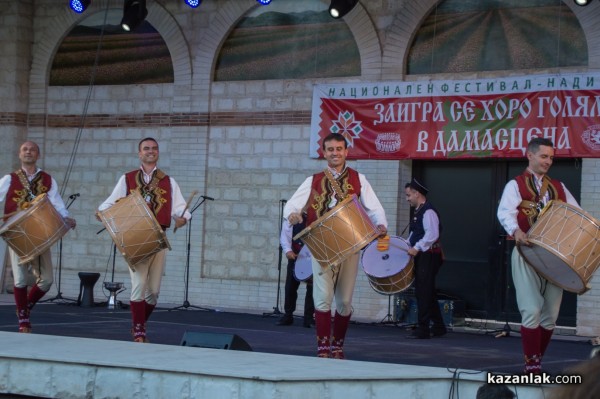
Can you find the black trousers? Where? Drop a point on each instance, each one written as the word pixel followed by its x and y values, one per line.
pixel 427 265
pixel 291 293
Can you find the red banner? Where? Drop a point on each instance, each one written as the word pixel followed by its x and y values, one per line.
pixel 462 119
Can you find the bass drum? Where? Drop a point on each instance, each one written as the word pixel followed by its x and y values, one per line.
pixel 390 271
pixel 303 266
pixel 32 231
pixel 565 246
pixel 341 232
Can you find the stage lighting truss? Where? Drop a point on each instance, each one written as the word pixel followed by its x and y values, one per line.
pixel 134 13
pixel 339 8
pixel 193 3
pixel 79 6
pixel 582 3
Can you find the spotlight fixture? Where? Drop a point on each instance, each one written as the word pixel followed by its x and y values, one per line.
pixel 193 3
pixel 79 6
pixel 264 2
pixel 582 2
pixel 134 13
pixel 339 8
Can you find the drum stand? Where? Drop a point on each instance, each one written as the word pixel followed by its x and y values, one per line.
pixel 389 317
pixel 186 304
pixel 276 311
pixel 58 296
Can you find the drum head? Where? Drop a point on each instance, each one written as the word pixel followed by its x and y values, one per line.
pixel 380 264
pixel 303 266
pixel 553 267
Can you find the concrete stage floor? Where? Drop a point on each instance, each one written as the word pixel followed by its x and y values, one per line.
pixel 470 347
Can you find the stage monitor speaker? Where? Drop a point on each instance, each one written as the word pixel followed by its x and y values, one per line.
pixel 215 341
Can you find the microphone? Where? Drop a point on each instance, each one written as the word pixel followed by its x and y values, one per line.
pixel 207 198
pixel 283 201
pixel 73 196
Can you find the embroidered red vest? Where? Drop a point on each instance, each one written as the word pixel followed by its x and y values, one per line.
pixel 527 214
pixel 17 193
pixel 157 196
pixel 322 192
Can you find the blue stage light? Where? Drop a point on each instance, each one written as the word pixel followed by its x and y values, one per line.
pixel 193 3
pixel 79 6
pixel 264 2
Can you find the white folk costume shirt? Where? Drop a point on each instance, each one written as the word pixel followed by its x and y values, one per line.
pixel 53 194
pixel 511 198
pixel 368 199
pixel 120 191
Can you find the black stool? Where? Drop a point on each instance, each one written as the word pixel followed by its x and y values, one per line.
pixel 86 289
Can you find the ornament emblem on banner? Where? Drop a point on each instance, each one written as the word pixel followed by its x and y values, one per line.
pixel 591 137
pixel 347 126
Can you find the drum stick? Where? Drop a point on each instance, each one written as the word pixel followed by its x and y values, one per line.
pixel 187 205
pixel 399 247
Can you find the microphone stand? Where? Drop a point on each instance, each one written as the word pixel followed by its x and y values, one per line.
pixel 276 311
pixel 186 304
pixel 59 296
pixel 506 329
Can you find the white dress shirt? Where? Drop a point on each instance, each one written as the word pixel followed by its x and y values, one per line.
pixel 431 225
pixel 285 238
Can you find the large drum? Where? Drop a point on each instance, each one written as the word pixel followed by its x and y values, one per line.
pixel 303 265
pixel 390 271
pixel 339 233
pixel 134 229
pixel 565 246
pixel 32 231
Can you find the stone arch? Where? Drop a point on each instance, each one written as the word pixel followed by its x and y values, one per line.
pixel 405 26
pixel 57 29
pixel 358 22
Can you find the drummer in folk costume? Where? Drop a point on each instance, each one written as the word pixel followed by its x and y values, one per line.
pixel 17 190
pixel 164 198
pixel 318 196
pixel 537 298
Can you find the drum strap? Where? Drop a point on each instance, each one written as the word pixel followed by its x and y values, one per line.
pixel 543 188
pixel 146 189
pixel 26 185
pixel 334 184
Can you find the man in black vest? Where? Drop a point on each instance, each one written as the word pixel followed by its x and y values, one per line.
pixel 291 248
pixel 424 238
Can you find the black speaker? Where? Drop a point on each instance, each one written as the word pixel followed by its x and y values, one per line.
pixel 215 341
